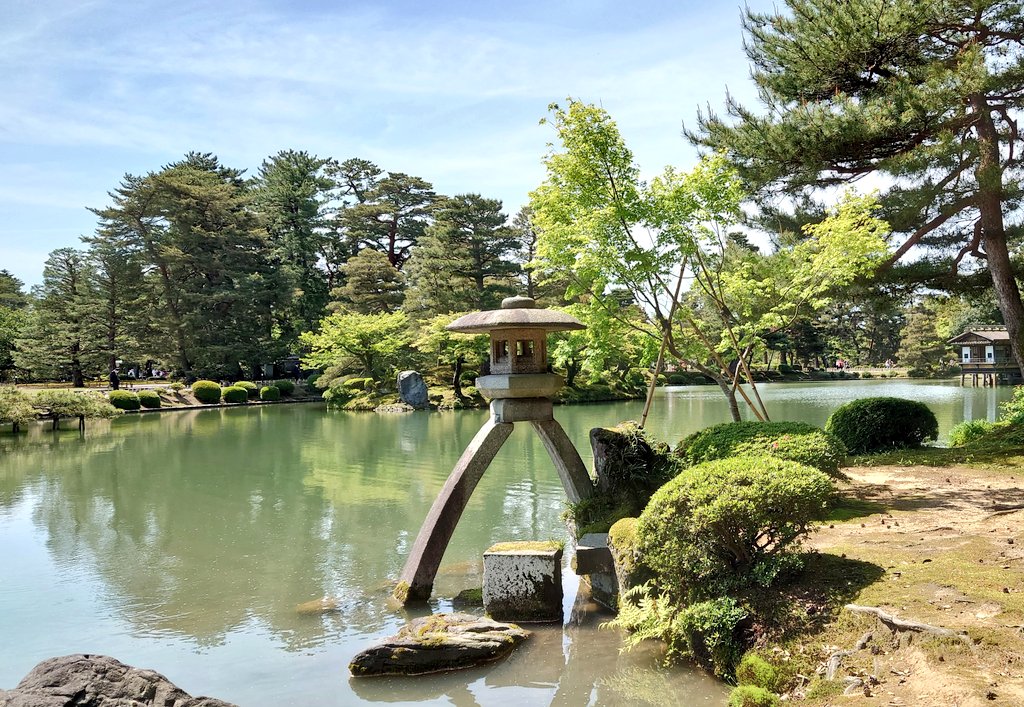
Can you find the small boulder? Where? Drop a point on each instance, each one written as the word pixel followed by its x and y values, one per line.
pixel 92 680
pixel 439 643
pixel 412 390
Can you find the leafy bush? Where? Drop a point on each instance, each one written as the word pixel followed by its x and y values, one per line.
pixel 15 406
pixel 1013 409
pixel 730 523
pixel 251 388
pixel 123 399
pixel 67 403
pixel 877 424
pixel 968 431
pixel 176 385
pixel 358 384
pixel 285 386
pixel 206 392
pixel 752 696
pixel 785 368
pixel 795 441
pixel 149 399
pixel 235 394
pixel 270 392
pixel 755 670
pixel 311 381
pixel 867 374
pixel 710 629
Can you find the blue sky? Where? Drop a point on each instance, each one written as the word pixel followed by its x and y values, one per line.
pixel 448 91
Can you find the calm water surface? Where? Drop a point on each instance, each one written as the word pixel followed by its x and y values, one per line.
pixel 184 542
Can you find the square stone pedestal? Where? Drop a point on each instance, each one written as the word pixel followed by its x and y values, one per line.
pixel 523 581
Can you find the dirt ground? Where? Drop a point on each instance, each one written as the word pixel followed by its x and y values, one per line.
pixel 951 544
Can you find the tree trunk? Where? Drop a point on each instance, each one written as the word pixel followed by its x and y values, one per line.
pixel 77 377
pixel 572 369
pixel 457 378
pixel 730 395
pixel 989 174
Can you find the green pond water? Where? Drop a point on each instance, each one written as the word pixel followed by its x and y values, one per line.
pixel 184 541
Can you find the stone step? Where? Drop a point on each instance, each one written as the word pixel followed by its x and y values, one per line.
pixel 593 555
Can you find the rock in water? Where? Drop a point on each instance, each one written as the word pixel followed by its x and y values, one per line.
pixel 437 643
pixel 412 390
pixel 98 681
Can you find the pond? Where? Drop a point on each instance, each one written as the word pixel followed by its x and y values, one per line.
pixel 184 542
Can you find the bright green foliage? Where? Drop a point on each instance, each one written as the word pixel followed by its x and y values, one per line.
pixel 450 347
pixel 67 403
pixel 372 284
pixel 370 344
pixel 795 441
pixel 601 227
pixel 968 431
pixel 730 523
pixel 464 261
pixel 251 388
pixel 755 670
pixel 358 384
pixel 15 406
pixel 235 394
pixel 710 629
pixel 206 392
pixel 270 393
pixel 286 387
pixel 752 696
pixel 176 385
pixel 1013 409
pixel 923 94
pixel 149 399
pixel 124 400
pixel 878 424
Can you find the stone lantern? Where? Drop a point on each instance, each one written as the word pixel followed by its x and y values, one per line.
pixel 520 389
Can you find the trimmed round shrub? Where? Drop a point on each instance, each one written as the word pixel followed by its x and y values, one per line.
pixel 235 394
pixel 206 392
pixel 877 424
pixel 752 696
pixel 358 384
pixel 124 399
pixel 795 441
pixel 149 399
pixel 251 388
pixel 270 392
pixel 968 431
pixel 755 670
pixel 285 386
pixel 785 368
pixel 176 385
pixel 730 524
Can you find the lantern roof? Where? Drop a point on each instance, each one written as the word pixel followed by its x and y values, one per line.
pixel 516 313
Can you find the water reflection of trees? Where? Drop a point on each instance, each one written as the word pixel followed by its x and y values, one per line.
pixel 199 522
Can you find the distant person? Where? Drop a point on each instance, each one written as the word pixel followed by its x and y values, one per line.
pixel 115 380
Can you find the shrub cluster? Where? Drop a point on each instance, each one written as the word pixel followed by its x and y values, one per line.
pixel 968 431
pixel 149 398
pixel 878 424
pixel 795 441
pixel 270 392
pixel 124 399
pixel 206 392
pixel 251 388
pixel 285 386
pixel 730 524
pixel 235 394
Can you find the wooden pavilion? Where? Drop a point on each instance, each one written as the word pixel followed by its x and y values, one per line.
pixel 985 355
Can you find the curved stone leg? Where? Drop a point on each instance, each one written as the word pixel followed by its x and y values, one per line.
pixel 571 470
pixel 417 578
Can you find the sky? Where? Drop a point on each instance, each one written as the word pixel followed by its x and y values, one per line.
pixel 452 92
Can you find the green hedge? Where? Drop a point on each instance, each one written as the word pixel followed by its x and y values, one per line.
pixel 124 399
pixel 206 392
pixel 251 388
pixel 285 386
pixel 877 424
pixel 235 394
pixel 795 441
pixel 730 524
pixel 270 392
pixel 149 399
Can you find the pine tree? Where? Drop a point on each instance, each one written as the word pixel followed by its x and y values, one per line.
pixel 924 93
pixel 372 285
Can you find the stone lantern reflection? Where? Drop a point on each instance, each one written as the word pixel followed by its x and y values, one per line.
pixel 520 389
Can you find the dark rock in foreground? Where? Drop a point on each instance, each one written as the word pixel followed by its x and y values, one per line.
pixel 98 681
pixel 438 643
